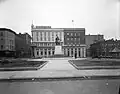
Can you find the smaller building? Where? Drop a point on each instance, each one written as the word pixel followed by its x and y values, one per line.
pixel 106 48
pixel 23 45
pixel 90 39
pixel 7 42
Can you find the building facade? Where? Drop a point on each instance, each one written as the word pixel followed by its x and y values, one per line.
pixel 90 39
pixel 71 40
pixel 7 42
pixel 106 48
pixel 23 45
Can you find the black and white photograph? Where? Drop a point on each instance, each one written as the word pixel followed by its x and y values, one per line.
pixel 59 46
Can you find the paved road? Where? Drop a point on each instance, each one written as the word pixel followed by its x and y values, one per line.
pixel 61 87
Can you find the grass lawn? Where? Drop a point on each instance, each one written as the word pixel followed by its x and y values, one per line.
pixel 87 64
pixel 20 64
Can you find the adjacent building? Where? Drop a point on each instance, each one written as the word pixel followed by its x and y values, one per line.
pixel 72 41
pixel 90 39
pixel 23 45
pixel 106 48
pixel 7 42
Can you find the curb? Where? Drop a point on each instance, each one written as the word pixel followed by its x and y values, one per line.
pixel 61 78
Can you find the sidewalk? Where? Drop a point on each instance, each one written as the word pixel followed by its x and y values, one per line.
pixel 58 68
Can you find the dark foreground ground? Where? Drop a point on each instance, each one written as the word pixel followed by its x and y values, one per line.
pixel 61 87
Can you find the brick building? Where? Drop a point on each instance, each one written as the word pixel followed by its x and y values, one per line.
pixel 90 39
pixel 106 48
pixel 23 45
pixel 7 42
pixel 72 41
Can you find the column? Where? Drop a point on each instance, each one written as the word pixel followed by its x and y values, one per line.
pixel 84 51
pixel 46 36
pixel 47 52
pixel 43 52
pixel 35 52
pixel 66 51
pixel 77 52
pixel 81 52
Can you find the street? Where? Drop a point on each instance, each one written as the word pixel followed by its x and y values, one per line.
pixel 61 87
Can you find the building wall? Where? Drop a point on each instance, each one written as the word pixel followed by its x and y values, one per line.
pixel 7 40
pixel 104 48
pixel 90 39
pixel 43 37
pixel 23 45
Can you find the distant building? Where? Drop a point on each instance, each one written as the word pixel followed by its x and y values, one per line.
pixel 23 45
pixel 7 42
pixel 90 39
pixel 72 41
pixel 106 48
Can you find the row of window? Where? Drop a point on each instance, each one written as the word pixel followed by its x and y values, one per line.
pixel 73 34
pixel 45 44
pixel 73 39
pixel 8 47
pixel 46 37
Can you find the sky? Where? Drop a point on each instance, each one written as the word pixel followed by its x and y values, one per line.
pixel 96 16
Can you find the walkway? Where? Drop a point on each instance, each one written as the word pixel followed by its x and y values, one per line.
pixel 58 64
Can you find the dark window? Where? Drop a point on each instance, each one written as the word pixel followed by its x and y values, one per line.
pixel 37 52
pixel 1 38
pixel 53 52
pixel 49 52
pixel 1 34
pixel 41 52
pixel 1 47
pixel 45 51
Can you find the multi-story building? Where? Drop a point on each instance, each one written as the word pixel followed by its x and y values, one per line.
pixel 23 45
pixel 72 40
pixel 106 48
pixel 90 39
pixel 7 42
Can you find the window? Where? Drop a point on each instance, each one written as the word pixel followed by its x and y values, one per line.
pixel 1 38
pixel 67 33
pixel 1 34
pixel 37 52
pixel 1 47
pixel 41 52
pixel 71 34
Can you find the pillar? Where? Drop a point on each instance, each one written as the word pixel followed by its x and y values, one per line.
pixel 43 52
pixel 84 52
pixel 66 51
pixel 81 52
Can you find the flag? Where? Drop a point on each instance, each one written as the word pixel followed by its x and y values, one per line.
pixel 72 20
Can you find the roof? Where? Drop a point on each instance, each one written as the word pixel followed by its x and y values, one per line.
pixel 8 30
pixel 115 50
pixel 72 29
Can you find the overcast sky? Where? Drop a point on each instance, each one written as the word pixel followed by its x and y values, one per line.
pixel 96 16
